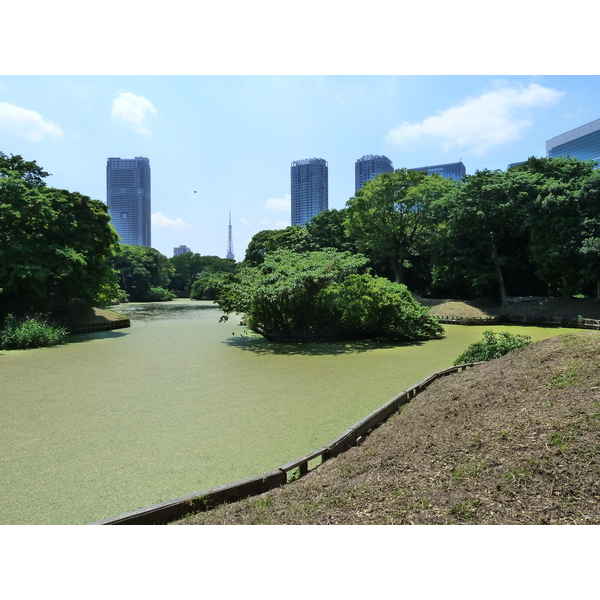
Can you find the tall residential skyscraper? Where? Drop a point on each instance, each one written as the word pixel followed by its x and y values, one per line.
pixel 368 167
pixel 582 143
pixel 128 198
pixel 310 187
pixel 454 171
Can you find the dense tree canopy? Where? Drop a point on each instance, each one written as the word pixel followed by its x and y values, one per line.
pixel 54 245
pixel 327 230
pixel 390 216
pixel 556 218
pixel 189 267
pixel 483 229
pixel 144 273
pixel 316 292
pixel 296 238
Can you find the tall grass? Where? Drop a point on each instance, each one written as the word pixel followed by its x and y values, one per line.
pixel 30 332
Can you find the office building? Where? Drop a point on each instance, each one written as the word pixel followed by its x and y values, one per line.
pixel 582 143
pixel 309 178
pixel 368 167
pixel 181 250
pixel 454 171
pixel 128 198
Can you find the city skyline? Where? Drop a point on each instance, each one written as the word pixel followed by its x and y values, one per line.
pixel 220 143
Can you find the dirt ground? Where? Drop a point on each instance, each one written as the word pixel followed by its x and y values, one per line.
pixel 511 441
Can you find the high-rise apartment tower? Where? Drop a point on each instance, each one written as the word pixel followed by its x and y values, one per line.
pixel 128 198
pixel 368 167
pixel 582 143
pixel 310 195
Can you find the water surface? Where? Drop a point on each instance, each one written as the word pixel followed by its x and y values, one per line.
pixel 179 403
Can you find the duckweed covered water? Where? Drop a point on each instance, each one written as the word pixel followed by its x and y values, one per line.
pixel 179 403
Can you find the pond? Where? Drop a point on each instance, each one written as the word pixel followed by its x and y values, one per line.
pixel 179 403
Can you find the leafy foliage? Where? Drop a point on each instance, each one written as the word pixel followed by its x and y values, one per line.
pixel 390 216
pixel 189 267
pixel 54 245
pixel 379 307
pixel 29 332
pixel 492 346
pixel 296 238
pixel 144 273
pixel 207 284
pixel 322 291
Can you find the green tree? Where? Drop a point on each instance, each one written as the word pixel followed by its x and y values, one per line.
pixel 322 291
pixel 483 229
pixel 279 294
pixel 189 266
pixel 556 216
pixel 377 307
pixel 390 216
pixel 144 273
pixel 54 245
pixel 327 230
pixel 294 238
pixel 589 249
pixel 17 167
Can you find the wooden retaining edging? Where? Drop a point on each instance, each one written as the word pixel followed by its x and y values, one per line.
pixel 540 321
pixel 91 327
pixel 171 510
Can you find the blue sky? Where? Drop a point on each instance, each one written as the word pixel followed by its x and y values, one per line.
pixel 225 142
pixel 222 98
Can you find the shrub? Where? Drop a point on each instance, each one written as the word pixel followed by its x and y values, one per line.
pixel 377 306
pixel 322 292
pixel 30 332
pixel 492 346
pixel 159 294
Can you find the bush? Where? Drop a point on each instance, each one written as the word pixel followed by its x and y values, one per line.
pixel 159 294
pixel 376 306
pixel 321 293
pixel 492 346
pixel 30 332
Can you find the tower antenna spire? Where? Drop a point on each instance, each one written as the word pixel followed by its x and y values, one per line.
pixel 230 241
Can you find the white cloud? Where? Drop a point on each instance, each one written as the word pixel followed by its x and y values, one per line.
pixel 158 219
pixel 245 222
pixel 279 203
pixel 478 124
pixel 133 109
pixel 26 122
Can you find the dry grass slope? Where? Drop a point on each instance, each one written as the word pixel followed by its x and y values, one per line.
pixel 512 441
